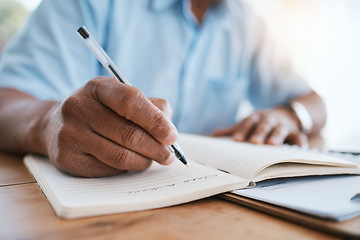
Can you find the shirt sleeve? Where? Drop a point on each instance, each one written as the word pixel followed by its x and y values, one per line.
pixel 273 78
pixel 47 58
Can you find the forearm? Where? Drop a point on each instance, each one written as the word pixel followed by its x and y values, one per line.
pixel 316 108
pixel 23 120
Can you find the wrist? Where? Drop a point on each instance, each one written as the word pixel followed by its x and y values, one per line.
pixel 302 116
pixel 40 128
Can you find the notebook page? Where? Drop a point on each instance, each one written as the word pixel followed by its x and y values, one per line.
pixel 158 186
pixel 246 160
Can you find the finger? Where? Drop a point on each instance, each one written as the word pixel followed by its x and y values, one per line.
pixel 85 165
pixel 277 136
pixel 132 104
pixel 82 141
pixel 297 138
pixel 245 128
pixel 127 134
pixel 261 131
pixel 80 112
pixel 224 131
pixel 163 105
pixel 115 155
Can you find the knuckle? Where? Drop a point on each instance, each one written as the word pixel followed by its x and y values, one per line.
pixel 75 107
pixel 248 122
pixel 131 101
pixel 160 125
pixel 70 105
pixel 94 83
pixel 263 127
pixel 161 103
pixel 92 86
pixel 271 120
pixel 120 159
pixel 159 120
pixel 132 135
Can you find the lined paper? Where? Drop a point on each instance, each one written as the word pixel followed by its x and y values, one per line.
pixel 158 186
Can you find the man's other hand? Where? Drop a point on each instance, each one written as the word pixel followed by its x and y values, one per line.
pixel 274 126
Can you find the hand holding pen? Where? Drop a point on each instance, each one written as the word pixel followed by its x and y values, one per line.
pixel 105 128
pixel 108 64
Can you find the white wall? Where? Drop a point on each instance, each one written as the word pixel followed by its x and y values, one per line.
pixel 323 39
pixel 334 69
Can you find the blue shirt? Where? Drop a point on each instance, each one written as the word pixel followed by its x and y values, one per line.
pixel 206 71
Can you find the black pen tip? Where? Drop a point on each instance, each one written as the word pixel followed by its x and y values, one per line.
pixel 83 32
pixel 183 160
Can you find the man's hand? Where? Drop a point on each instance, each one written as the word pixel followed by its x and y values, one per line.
pixel 274 126
pixel 107 127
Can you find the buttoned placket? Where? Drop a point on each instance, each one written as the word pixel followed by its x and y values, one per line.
pixel 186 80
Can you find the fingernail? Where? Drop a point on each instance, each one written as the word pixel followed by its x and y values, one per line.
pixel 171 138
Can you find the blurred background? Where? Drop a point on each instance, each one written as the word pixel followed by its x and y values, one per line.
pixel 322 37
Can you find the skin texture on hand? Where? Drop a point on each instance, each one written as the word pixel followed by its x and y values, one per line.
pixel 107 127
pixel 274 126
pixel 103 129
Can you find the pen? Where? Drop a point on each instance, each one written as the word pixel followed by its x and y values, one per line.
pixel 115 72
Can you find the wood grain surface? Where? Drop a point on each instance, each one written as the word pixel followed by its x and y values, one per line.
pixel 26 214
pixel 13 171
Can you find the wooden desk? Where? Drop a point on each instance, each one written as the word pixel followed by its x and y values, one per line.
pixel 26 214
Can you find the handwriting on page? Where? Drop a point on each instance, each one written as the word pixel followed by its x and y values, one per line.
pixel 187 181
pixel 174 179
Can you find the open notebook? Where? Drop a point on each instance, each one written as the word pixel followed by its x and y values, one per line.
pixel 335 197
pixel 216 166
